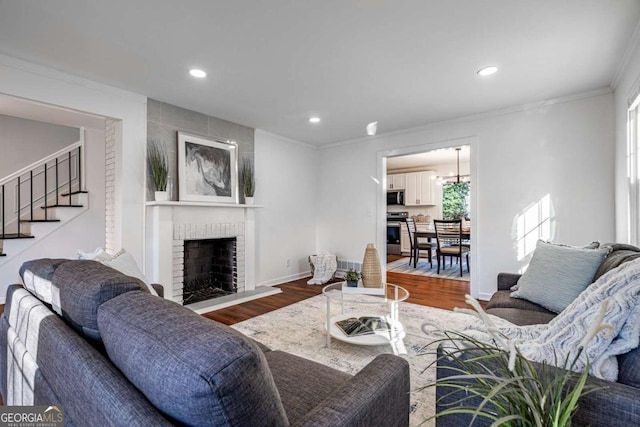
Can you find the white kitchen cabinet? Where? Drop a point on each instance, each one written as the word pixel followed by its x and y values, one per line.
pixel 405 244
pixel 396 181
pixel 419 189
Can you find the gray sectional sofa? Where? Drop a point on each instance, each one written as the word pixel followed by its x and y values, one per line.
pixel 618 404
pixel 96 343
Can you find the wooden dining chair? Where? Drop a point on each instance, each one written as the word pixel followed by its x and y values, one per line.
pixel 415 250
pixel 449 242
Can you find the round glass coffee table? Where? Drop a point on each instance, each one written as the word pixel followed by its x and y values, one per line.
pixel 367 305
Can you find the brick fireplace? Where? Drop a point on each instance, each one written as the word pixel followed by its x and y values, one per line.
pixel 175 228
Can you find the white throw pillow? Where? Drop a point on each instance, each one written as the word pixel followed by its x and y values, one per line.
pixel 124 262
pixel 98 255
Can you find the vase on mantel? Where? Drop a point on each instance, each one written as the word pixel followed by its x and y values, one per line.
pixel 371 270
pixel 248 200
pixel 161 196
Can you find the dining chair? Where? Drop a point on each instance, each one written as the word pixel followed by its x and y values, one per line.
pixel 449 242
pixel 415 249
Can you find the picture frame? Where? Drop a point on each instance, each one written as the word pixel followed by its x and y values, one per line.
pixel 207 170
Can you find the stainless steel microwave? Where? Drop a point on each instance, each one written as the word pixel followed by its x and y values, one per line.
pixel 395 198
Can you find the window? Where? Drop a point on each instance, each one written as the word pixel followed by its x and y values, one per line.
pixel 633 217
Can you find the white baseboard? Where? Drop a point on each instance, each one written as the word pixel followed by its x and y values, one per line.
pixel 484 297
pixel 285 279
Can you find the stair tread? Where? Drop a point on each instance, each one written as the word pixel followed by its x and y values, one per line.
pixel 9 236
pixel 75 192
pixel 41 220
pixel 62 206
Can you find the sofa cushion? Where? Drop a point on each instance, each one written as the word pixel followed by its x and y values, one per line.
pixel 503 299
pixel 290 371
pixel 618 255
pixel 194 370
pixel 558 274
pixel 629 368
pixel 84 286
pixel 36 276
pixel 522 317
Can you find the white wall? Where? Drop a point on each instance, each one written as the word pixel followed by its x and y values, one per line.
pixel 564 149
pixel 85 232
pixel 33 82
pixel 286 187
pixel 23 142
pixel 628 85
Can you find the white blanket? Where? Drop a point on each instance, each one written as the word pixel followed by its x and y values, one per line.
pixel 325 266
pixel 560 339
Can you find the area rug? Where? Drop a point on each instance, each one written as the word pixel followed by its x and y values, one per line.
pixel 424 269
pixel 300 329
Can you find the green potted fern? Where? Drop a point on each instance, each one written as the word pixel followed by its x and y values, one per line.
pixel 248 178
pixel 159 166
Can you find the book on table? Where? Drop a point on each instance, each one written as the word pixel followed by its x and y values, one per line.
pixel 365 325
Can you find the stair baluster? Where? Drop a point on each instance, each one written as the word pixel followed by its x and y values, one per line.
pixel 57 201
pixel 69 164
pixel 19 207
pixel 79 170
pixel 46 193
pixel 3 212
pixel 31 194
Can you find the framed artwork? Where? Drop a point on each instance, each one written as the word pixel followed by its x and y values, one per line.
pixel 207 170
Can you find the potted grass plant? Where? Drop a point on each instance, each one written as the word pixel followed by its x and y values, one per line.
pixel 159 166
pixel 248 178
pixel 493 380
pixel 352 277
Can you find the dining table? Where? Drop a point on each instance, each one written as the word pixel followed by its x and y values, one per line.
pixel 431 234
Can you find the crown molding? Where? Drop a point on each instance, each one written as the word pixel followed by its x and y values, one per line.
pixel 474 117
pixel 628 52
pixel 51 73
pixel 287 140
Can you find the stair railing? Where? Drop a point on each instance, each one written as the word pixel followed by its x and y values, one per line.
pixel 36 175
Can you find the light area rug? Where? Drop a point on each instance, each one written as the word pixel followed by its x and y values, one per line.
pixel 424 269
pixel 300 329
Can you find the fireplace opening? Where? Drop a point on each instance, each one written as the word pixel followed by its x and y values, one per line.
pixel 210 269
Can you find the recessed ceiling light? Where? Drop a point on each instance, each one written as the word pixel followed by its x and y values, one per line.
pixel 314 119
pixel 487 71
pixel 195 72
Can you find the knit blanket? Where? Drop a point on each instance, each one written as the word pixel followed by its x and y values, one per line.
pixel 561 339
pixel 324 267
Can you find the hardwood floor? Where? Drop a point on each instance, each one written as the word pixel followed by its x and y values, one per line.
pixel 429 291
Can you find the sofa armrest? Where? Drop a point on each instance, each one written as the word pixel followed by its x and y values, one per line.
pixel 616 404
pixel 377 395
pixel 507 280
pixel 158 288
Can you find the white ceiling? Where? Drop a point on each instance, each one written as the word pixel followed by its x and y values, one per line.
pixel 272 64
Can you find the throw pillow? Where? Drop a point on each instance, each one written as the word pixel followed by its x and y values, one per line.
pixel 592 245
pixel 124 262
pixel 558 274
pixel 98 255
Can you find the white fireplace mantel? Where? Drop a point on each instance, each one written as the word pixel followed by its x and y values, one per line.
pixel 170 223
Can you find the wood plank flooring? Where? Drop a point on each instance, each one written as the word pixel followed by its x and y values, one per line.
pixel 429 291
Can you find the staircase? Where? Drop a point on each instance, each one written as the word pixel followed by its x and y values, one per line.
pixel 38 199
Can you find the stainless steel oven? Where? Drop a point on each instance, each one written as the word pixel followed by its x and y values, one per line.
pixel 394 224
pixel 393 238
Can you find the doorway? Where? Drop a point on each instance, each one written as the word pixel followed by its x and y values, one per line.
pixel 434 181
